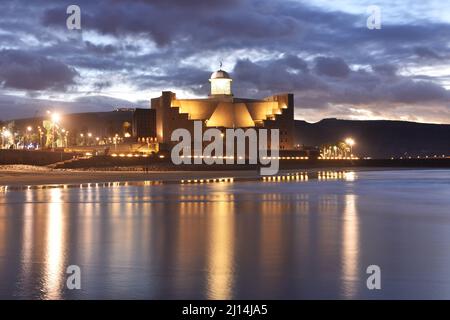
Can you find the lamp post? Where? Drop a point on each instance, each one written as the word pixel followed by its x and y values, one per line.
pixel 40 137
pixel 65 132
pixel 29 129
pixel 55 120
pixel 350 142
pixel 5 135
pixel 115 142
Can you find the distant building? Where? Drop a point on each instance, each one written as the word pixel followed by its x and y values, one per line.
pixel 144 123
pixel 222 110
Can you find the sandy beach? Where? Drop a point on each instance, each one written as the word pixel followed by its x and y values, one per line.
pixel 30 175
pixel 24 175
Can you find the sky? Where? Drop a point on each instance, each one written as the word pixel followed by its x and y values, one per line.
pixel 128 51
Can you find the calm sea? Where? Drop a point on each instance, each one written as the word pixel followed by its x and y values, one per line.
pixel 236 240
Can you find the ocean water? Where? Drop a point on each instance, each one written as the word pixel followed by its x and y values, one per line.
pixel 236 240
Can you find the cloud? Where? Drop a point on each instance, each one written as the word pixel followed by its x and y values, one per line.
pixel 286 74
pixel 424 52
pixel 322 53
pixel 13 107
pixel 385 69
pixel 375 92
pixel 100 49
pixel 417 92
pixel 101 85
pixel 332 67
pixel 22 70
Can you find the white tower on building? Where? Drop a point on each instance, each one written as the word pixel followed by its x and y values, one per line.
pixel 221 83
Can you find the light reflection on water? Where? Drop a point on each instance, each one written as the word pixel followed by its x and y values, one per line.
pixel 246 240
pixel 350 239
pixel 220 248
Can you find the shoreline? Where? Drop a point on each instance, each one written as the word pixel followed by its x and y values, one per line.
pixel 47 177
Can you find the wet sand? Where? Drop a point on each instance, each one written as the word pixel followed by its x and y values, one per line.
pixel 20 178
pixel 15 178
pixel 34 176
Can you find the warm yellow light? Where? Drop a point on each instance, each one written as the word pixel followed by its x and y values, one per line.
pixel 350 142
pixel 29 128
pixel 89 135
pixel 55 117
pixel 221 86
pixel 6 133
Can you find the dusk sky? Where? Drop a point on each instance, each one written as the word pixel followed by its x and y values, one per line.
pixel 322 51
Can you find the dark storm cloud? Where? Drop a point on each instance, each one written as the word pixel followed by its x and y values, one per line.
pixel 21 70
pixel 166 22
pixel 100 49
pixel 283 25
pixel 196 80
pixel 188 4
pixel 332 67
pixel 100 85
pixel 385 69
pixel 418 92
pixel 13 107
pixel 289 73
pixel 340 86
pixel 427 53
pixel 325 57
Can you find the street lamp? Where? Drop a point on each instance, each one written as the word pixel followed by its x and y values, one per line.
pixel 55 119
pixel 350 142
pixel 5 135
pixel 40 137
pixel 66 133
pixel 29 129
pixel 115 141
pixel 83 141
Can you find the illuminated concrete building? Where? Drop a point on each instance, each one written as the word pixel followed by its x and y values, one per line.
pixel 144 123
pixel 222 110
